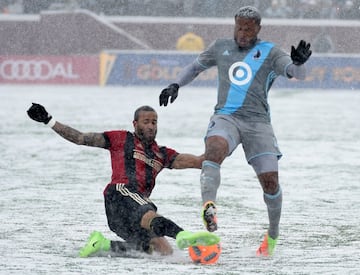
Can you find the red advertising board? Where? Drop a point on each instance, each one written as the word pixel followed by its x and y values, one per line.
pixel 49 70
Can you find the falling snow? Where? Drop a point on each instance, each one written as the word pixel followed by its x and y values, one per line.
pixel 51 190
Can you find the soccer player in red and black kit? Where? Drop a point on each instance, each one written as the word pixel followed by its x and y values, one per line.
pixel 136 160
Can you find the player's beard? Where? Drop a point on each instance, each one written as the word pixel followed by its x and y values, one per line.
pixel 244 43
pixel 147 137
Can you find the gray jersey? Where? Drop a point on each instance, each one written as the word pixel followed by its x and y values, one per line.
pixel 245 76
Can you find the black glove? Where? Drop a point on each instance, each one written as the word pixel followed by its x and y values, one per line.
pixel 38 113
pixel 301 54
pixel 171 91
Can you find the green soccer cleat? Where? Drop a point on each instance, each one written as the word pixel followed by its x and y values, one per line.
pixel 95 243
pixel 185 239
pixel 267 246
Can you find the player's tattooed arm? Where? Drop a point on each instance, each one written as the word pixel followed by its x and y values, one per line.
pixel 77 137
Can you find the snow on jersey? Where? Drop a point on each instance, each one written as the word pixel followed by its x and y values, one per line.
pixel 135 165
pixel 245 76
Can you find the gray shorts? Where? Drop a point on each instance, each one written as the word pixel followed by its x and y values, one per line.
pixel 257 138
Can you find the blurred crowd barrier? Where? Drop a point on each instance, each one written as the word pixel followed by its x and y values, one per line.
pixel 81 47
pixel 328 71
pixel 84 32
pixel 159 68
pixel 309 9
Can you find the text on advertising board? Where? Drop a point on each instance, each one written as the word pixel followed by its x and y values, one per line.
pixel 35 70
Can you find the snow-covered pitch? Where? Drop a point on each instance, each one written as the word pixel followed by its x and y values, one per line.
pixel 51 190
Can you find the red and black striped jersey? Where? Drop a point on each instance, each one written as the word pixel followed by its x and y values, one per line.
pixel 134 164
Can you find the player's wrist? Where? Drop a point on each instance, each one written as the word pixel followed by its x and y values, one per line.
pixel 51 122
pixel 174 85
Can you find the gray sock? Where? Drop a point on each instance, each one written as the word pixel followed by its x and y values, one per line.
pixel 209 180
pixel 274 203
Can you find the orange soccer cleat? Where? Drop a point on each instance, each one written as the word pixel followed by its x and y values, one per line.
pixel 267 246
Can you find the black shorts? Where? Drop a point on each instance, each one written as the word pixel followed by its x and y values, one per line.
pixel 124 211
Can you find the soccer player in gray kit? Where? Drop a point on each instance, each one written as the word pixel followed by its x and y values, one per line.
pixel 247 68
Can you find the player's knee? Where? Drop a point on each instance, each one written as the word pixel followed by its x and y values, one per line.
pixel 269 182
pixel 217 149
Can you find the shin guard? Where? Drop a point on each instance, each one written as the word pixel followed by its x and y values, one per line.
pixel 209 180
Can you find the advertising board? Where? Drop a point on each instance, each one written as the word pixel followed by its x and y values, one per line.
pixel 49 70
pixel 161 68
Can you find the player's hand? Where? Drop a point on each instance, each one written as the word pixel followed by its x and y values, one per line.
pixel 170 91
pixel 301 54
pixel 38 113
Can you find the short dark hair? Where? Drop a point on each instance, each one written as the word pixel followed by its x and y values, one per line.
pixel 144 108
pixel 249 12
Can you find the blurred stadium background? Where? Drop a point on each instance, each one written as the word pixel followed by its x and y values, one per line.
pixel 316 9
pixel 133 42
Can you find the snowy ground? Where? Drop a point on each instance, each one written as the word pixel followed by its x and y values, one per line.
pixel 51 190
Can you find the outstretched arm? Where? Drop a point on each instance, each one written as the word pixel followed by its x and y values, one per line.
pixel 188 74
pixel 183 161
pixel 79 138
pixel 38 113
pixel 299 56
pixel 296 71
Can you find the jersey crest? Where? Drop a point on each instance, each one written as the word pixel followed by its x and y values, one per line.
pixel 242 73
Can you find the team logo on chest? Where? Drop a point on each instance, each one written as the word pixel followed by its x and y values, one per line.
pixel 139 155
pixel 240 73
